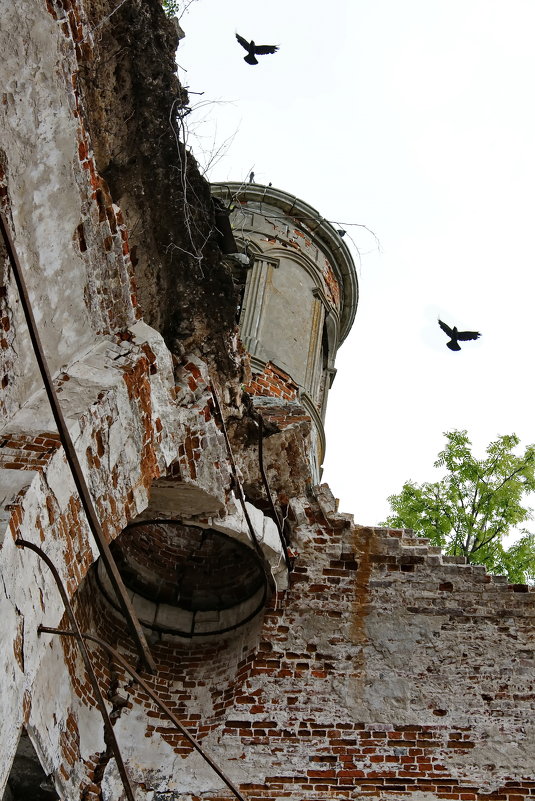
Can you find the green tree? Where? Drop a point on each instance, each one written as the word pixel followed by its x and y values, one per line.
pixel 171 7
pixel 475 505
pixel 176 8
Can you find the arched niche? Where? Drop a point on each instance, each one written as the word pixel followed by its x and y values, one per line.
pixel 187 580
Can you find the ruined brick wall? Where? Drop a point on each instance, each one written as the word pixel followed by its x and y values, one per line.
pixel 136 112
pixel 386 670
pixel 115 378
pixel 273 382
pixel 383 668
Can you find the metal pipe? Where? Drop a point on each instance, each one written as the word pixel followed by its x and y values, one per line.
pixel 241 496
pixel 72 458
pixel 88 666
pixel 268 492
pixel 159 703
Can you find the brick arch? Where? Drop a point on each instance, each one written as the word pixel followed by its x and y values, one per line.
pixel 187 581
pixel 200 679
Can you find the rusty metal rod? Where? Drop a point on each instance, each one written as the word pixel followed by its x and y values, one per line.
pixel 150 692
pixel 268 493
pixel 266 566
pixel 72 457
pixel 88 666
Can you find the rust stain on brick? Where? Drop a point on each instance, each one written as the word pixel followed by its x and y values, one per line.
pixel 18 643
pixel 139 391
pixel 26 706
pixel 362 567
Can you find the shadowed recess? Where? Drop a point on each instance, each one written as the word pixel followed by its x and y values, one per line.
pixel 187 566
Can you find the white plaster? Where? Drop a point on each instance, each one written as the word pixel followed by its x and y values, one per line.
pixel 39 137
pixel 91 729
pixel 59 480
pixel 235 526
pixel 270 536
pixel 12 482
pixel 507 747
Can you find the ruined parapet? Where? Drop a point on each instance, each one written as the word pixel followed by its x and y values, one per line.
pixel 299 296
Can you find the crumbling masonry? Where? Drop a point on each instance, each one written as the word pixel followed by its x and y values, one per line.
pixel 266 647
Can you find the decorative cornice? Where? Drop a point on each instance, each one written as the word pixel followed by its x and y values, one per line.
pixel 322 232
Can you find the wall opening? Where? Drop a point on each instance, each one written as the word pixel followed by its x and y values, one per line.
pixel 27 779
pixel 187 580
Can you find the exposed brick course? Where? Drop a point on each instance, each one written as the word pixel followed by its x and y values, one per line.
pixel 333 288
pixel 273 382
pixel 273 700
pixel 27 452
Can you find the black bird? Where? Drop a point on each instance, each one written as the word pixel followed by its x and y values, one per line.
pixel 251 178
pixel 455 335
pixel 254 49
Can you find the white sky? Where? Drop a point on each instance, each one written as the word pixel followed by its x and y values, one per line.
pixel 416 119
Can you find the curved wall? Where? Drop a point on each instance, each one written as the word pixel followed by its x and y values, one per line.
pixel 300 293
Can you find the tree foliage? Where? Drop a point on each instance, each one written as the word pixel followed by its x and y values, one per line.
pixel 171 7
pixel 176 8
pixel 476 504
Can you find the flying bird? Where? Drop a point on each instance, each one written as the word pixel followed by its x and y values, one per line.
pixel 455 335
pixel 254 49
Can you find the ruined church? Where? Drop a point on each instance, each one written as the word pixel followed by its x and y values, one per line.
pixel 185 613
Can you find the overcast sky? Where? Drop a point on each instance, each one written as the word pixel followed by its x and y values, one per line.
pixel 417 120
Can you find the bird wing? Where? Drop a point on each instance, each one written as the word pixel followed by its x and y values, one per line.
pixel 264 50
pixel 447 330
pixel 464 335
pixel 244 43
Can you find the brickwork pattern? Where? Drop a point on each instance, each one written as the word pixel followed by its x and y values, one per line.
pixel 273 382
pixel 192 388
pixel 283 415
pixel 8 355
pixel 333 287
pixel 102 238
pixel 186 566
pixel 25 452
pixel 188 672
pixel 386 670
pixel 285 697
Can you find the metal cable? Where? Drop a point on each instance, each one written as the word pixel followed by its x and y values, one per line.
pixel 72 457
pixel 268 493
pixel 159 703
pixel 88 666
pixel 241 495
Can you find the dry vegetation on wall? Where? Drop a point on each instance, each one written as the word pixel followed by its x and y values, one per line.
pixel 132 100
